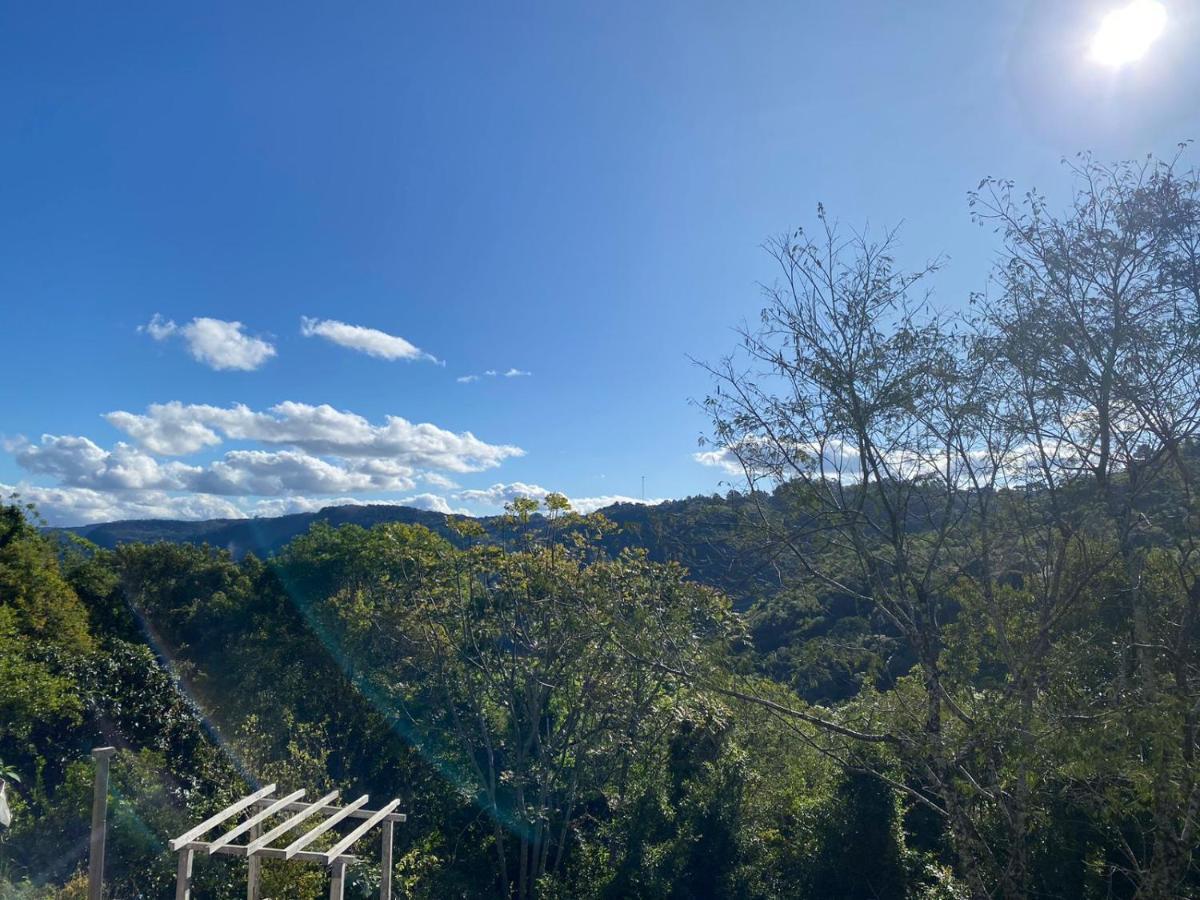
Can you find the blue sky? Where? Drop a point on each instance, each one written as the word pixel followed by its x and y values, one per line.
pixel 575 191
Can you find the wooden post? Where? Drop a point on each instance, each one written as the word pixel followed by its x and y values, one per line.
pixel 101 755
pixel 183 879
pixel 253 865
pixel 337 884
pixel 385 863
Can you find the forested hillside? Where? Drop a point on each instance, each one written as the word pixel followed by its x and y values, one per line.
pixel 715 538
pixel 945 644
pixel 706 534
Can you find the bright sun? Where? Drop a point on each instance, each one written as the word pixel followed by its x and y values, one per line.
pixel 1127 33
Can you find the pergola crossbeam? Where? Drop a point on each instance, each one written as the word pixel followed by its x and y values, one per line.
pixel 329 808
pixel 358 832
pixel 257 844
pixel 239 850
pixel 227 813
pixel 288 824
pixel 304 840
pixel 227 837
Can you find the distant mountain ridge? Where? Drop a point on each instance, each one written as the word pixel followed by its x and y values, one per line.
pixel 260 536
pixel 702 533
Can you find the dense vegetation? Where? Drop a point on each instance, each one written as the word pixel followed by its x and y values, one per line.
pixel 943 645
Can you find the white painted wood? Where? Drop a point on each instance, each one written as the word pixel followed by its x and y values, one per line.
pixel 253 868
pixel 99 835
pixel 228 812
pixel 385 862
pixel 348 840
pixel 239 850
pixel 357 814
pixel 337 883
pixel 183 876
pixel 293 848
pixel 257 846
pixel 288 824
pixel 239 830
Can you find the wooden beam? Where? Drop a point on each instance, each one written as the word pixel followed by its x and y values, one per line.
pixel 239 850
pixel 102 756
pixel 348 840
pixel 385 862
pixel 227 837
pixel 253 868
pixel 304 840
pixel 232 810
pixel 288 824
pixel 183 876
pixel 337 883
pixel 357 814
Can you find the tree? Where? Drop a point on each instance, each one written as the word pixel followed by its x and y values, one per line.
pixel 510 668
pixel 1002 495
pixel 1097 327
pixel 862 402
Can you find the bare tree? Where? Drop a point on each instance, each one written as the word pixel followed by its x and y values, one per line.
pixel 867 410
pixel 1097 326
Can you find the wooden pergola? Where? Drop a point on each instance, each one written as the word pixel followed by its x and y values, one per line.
pixel 248 838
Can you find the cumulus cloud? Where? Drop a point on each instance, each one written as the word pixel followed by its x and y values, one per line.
pixel 79 462
pixel 84 506
pixel 721 458
pixel 587 505
pixel 214 342
pixel 307 456
pixel 286 506
pixel 272 473
pixel 176 429
pixel 370 341
pixel 433 503
pixel 517 373
pixel 466 379
pixel 500 494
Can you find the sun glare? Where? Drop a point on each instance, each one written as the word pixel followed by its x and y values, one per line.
pixel 1127 33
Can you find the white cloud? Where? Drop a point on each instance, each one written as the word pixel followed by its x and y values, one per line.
pixel 366 340
pixel 438 480
pixel 275 473
pixel 499 494
pixel 721 458
pixel 493 373
pixel 79 462
pixel 214 342
pixel 82 506
pixel 159 328
pixel 286 506
pixel 587 505
pixel 168 429
pixel 176 429
pixel 309 456
pixel 433 503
